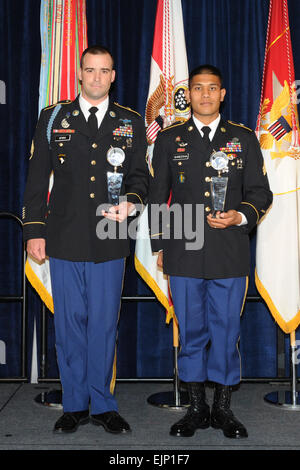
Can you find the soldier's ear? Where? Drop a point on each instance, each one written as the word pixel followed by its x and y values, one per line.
pixel 187 95
pixel 223 93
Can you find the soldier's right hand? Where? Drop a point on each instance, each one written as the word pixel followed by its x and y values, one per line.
pixel 36 248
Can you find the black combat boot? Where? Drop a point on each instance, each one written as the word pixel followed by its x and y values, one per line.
pixel 197 416
pixel 221 415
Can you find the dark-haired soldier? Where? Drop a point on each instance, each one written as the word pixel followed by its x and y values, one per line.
pixel 208 281
pixel 86 143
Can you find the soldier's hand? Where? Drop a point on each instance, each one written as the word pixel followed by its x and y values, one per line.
pixel 36 248
pixel 224 219
pixel 160 259
pixel 120 212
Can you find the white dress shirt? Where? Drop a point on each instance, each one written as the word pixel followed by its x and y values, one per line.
pixel 102 108
pixel 213 125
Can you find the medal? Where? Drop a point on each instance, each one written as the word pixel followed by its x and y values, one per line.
pixel 115 156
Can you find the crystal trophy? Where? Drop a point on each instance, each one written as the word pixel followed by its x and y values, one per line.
pixel 219 161
pixel 115 156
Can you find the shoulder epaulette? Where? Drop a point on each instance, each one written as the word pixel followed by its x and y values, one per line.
pixel 240 125
pixel 129 109
pixel 175 124
pixel 59 102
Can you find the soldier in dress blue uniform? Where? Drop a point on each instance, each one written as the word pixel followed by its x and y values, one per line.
pixel 208 282
pixel 90 145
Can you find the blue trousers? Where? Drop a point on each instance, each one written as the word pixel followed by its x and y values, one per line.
pixel 209 310
pixel 86 300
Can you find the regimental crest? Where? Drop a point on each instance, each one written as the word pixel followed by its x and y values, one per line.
pixel 276 125
pixel 165 105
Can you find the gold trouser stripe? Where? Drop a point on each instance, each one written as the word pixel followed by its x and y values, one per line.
pixel 114 371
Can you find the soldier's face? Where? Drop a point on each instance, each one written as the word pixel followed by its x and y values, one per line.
pixel 96 77
pixel 206 95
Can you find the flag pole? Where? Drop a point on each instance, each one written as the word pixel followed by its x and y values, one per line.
pixel 288 399
pixel 176 399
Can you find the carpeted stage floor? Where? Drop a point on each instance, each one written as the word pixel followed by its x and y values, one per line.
pixel 27 425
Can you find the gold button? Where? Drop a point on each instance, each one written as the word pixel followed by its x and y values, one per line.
pixel 208 164
pixel 179 163
pixel 93 162
pixel 93 178
pixel 208 179
pixel 207 209
pixel 61 144
pixel 92 195
pixel 232 163
pixel 207 194
pixel 94 145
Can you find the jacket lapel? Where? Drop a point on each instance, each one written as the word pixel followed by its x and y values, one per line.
pixel 109 122
pixel 77 120
pixel 193 136
pixel 222 136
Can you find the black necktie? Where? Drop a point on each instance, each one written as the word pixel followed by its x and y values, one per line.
pixel 206 130
pixel 92 120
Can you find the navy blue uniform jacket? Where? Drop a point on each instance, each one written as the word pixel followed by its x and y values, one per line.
pixel 181 166
pixel 63 145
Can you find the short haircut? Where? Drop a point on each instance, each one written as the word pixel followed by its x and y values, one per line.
pixel 97 49
pixel 206 68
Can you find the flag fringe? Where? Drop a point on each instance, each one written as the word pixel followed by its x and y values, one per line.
pixel 154 286
pixel 287 327
pixel 39 287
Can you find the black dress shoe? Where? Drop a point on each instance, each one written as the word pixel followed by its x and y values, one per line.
pixel 222 417
pixel 198 414
pixel 225 420
pixel 192 421
pixel 70 421
pixel 111 421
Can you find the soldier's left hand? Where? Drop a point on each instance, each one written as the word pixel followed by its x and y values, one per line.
pixel 119 213
pixel 224 219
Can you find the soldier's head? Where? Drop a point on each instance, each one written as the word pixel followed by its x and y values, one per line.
pixel 96 73
pixel 206 92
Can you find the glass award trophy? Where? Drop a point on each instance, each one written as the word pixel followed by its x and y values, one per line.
pixel 115 156
pixel 219 161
